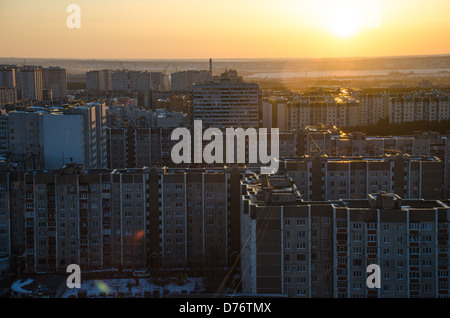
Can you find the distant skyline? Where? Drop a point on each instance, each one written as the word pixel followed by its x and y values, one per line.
pixel 199 29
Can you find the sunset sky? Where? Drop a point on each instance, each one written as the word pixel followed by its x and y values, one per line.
pixel 179 29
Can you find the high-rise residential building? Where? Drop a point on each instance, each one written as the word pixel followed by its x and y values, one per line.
pixel 322 178
pixel 120 80
pixel 7 76
pixel 419 106
pixel 30 83
pixel 64 140
pixel 26 80
pixel 350 108
pixel 93 81
pixel 140 81
pixel 98 80
pixel 4 134
pixel 164 219
pixel 184 81
pixel 335 110
pixel 53 138
pixel 8 89
pixel 94 123
pixel 96 220
pixel 130 147
pixel 302 248
pixel 194 214
pixel 124 80
pixel 132 116
pixel 331 141
pixel 372 108
pixel 275 113
pixel 227 101
pixel 7 96
pixel 26 136
pixel 55 78
pixel 158 81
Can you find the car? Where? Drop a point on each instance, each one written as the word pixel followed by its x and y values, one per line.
pixel 72 296
pixel 110 295
pixel 184 291
pixel 138 294
pixel 92 295
pixel 156 293
pixel 102 295
pixel 120 294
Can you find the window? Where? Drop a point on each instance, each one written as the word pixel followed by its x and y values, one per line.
pixel 426 226
pixel 301 245
pixel 414 226
pixel 357 226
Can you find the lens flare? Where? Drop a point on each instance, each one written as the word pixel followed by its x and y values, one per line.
pixel 102 286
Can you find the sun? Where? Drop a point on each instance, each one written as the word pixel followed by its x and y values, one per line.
pixel 344 21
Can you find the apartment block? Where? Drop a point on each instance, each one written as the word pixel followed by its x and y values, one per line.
pixel 134 218
pixel 184 81
pixel 275 113
pixel 99 80
pixel 58 136
pixel 27 81
pixel 419 106
pixel 331 141
pixel 227 101
pixel 4 134
pixel 55 79
pixel 121 116
pixel 373 107
pixel 350 108
pixel 322 178
pixel 124 80
pixel 30 83
pixel 130 147
pixel 315 249
pixel 94 220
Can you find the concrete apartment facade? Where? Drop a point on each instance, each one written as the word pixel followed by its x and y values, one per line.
pixel 227 101
pixel 322 178
pixel 317 249
pixel 105 219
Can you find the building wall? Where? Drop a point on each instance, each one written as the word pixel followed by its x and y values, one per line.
pixel 227 103
pixel 184 81
pixel 63 140
pixel 55 78
pixel 105 219
pixel 313 249
pixel 324 178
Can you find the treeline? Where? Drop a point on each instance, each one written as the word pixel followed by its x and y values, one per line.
pixel 384 128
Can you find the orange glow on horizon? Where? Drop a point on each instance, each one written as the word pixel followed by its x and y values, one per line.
pixel 197 29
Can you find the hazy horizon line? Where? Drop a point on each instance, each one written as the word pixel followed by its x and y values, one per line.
pixel 226 59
